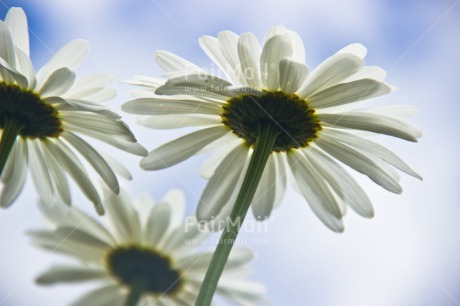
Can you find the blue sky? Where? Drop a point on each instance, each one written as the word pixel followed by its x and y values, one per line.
pixel 407 255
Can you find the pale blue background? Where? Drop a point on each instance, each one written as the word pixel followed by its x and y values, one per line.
pixel 407 255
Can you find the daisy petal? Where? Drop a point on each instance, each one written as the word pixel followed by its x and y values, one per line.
pixel 348 92
pixel 221 185
pixel 356 49
pixel 249 52
pixel 167 122
pixel 275 49
pixel 182 148
pixel 69 56
pixel 228 44
pixel 57 83
pixel 368 72
pixel 103 296
pixel 292 75
pixel 281 185
pixel 355 197
pixel 74 167
pixel 210 46
pixel 94 159
pixel 372 148
pixel 265 196
pixel 40 174
pixel 360 163
pixel 317 194
pixel 14 183
pixel 24 65
pixel 16 22
pixel 171 62
pixel 6 45
pixel 117 166
pixel 369 122
pixel 69 274
pixel 9 75
pixel 159 106
pixel 123 218
pixel 157 223
pixel 330 72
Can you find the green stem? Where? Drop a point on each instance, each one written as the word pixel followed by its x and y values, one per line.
pixel 137 288
pixel 262 149
pixel 11 129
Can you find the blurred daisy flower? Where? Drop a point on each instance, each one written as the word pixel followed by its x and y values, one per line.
pixel 42 115
pixel 144 247
pixel 310 118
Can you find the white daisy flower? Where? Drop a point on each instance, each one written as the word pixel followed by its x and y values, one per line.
pixel 141 243
pixel 271 90
pixel 42 115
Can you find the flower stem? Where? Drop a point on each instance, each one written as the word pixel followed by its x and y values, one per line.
pixel 262 150
pixel 10 132
pixel 137 288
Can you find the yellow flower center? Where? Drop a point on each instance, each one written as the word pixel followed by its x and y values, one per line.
pixel 37 118
pixel 291 117
pixel 133 264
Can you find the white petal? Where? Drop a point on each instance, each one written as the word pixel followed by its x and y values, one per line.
pixel 275 30
pixel 265 196
pixel 281 185
pixel 40 174
pixel 94 159
pixel 221 185
pixel 369 122
pixel 131 147
pixel 228 44
pixel 76 219
pixel 317 194
pixel 158 224
pixel 16 22
pixel 117 166
pixel 292 75
pixel 10 75
pixel 348 92
pixel 14 182
pixel 176 199
pixel 24 65
pixel 367 72
pixel 57 83
pixel 393 110
pixel 356 49
pixel 59 178
pixel 160 106
pixel 210 46
pixel 249 52
pixel 275 49
pixel 69 274
pixel 103 296
pixel 69 56
pixel 360 163
pixel 355 197
pixel 84 86
pixel 182 148
pixel 178 121
pixel 209 166
pixel 330 72
pixel 123 218
pixel 196 82
pixel 372 148
pixel 6 45
pixel 298 49
pixel 97 123
pixel 73 105
pixel 73 166
pixel 81 237
pixel 171 62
